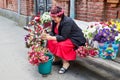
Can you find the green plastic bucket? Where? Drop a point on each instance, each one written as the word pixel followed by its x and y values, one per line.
pixel 45 68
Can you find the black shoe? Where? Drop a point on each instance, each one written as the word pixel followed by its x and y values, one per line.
pixel 62 70
pixel 57 63
pixel 26 28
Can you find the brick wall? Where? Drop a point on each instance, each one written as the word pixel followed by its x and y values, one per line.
pixel 12 5
pixel 26 6
pixel 81 10
pixel 9 4
pixel 112 11
pixel 86 10
pixel 2 4
pixel 89 10
pixel 92 10
pixel 64 4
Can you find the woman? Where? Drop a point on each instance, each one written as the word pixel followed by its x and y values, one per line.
pixel 64 38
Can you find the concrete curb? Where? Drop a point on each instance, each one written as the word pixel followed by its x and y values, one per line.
pixel 22 20
pixel 106 68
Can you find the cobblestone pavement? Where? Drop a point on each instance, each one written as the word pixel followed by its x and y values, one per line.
pixel 14 63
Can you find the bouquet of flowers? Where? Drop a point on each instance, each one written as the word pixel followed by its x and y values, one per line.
pixel 115 23
pixel 84 51
pixel 90 31
pixel 107 38
pixel 103 31
pixel 37 55
pixel 46 19
pixel 36 28
pixel 37 45
pixel 33 37
pixel 88 49
pixel 106 33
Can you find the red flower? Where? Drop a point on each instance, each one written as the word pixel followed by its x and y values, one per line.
pixel 37 18
pixel 84 51
pixel 36 58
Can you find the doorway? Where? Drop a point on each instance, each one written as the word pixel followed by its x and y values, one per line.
pixel 43 6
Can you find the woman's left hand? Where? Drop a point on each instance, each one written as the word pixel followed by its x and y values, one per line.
pixel 48 37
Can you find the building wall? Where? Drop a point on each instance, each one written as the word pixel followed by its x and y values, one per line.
pixel 89 10
pixel 19 12
pixel 86 10
pixel 12 5
pixel 93 10
pixel 9 4
pixel 112 12
pixel 26 6
pixel 1 4
pixel 64 4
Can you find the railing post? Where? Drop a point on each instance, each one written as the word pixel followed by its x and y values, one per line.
pixel 19 6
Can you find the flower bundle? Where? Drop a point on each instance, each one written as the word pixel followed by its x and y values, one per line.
pixel 33 37
pixel 115 23
pixel 37 55
pixel 35 29
pixel 103 31
pixel 84 51
pixel 90 31
pixel 35 20
pixel 37 45
pixel 46 19
pixel 106 33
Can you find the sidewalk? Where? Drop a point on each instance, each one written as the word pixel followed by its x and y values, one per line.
pixel 14 59
pixel 15 66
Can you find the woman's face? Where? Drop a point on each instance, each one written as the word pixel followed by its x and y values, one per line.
pixel 56 19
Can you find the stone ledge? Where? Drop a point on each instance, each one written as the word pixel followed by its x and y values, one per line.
pixel 106 68
pixel 22 20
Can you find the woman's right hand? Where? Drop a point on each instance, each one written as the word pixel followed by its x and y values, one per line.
pixel 46 36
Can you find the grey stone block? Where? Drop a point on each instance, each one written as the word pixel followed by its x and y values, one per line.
pixel 106 68
pixel 22 20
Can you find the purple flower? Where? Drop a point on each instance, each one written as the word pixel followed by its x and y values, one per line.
pixel 114 26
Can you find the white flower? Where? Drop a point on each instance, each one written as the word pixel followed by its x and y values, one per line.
pixel 45 18
pixel 89 32
pixel 92 29
pixel 117 38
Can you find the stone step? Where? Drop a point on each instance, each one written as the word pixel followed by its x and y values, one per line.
pixel 107 68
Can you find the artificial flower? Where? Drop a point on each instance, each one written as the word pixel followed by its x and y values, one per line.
pixel 117 38
pixel 105 34
pixel 45 18
pixel 37 45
